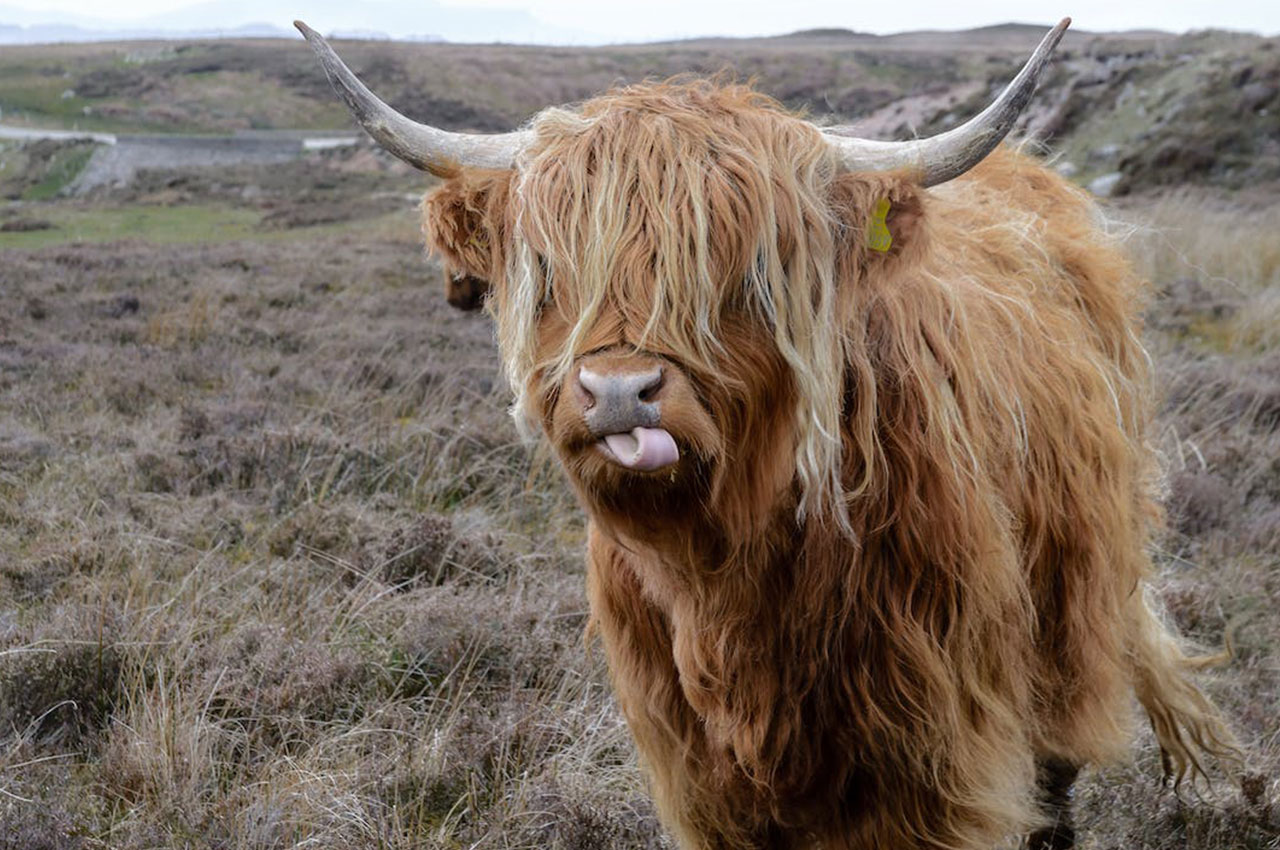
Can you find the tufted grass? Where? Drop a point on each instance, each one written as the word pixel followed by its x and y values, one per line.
pixel 275 570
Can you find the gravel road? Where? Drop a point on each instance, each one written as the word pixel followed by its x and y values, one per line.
pixel 119 157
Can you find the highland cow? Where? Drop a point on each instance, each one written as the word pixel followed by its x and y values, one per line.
pixel 861 429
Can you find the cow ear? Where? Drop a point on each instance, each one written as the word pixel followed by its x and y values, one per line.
pixel 884 218
pixel 465 224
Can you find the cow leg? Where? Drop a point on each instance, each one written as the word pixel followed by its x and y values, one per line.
pixel 1054 778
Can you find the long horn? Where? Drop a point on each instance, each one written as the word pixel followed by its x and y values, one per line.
pixel 948 155
pixel 429 148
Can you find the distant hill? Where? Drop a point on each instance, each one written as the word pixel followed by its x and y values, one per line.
pixel 1135 109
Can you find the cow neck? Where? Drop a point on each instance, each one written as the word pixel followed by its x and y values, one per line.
pixel 694 557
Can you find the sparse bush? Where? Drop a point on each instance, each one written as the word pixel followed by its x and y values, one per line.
pixel 59 692
pixel 316 530
pixel 279 690
pixel 1201 502
pixel 432 550
pixel 466 635
pixel 27 827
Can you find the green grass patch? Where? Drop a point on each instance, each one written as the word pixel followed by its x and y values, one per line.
pixel 64 168
pixel 12 160
pixel 40 98
pixel 194 223
pixel 188 223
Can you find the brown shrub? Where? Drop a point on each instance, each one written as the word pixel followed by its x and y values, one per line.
pixel 1200 502
pixel 60 692
pixel 430 550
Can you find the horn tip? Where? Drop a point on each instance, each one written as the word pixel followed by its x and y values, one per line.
pixel 1052 37
pixel 306 31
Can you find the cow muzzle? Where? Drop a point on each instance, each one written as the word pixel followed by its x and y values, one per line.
pixel 622 407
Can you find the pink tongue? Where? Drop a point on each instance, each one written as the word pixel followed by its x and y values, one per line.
pixel 643 448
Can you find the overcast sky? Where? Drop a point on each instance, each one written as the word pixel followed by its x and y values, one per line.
pixel 585 21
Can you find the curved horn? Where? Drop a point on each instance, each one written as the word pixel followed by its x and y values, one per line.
pixel 422 146
pixel 948 155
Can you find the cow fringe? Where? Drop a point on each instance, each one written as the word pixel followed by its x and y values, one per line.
pixel 619 216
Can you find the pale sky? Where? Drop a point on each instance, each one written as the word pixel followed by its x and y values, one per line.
pixel 585 21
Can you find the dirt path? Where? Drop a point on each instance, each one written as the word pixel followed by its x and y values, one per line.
pixel 119 157
pixel 115 165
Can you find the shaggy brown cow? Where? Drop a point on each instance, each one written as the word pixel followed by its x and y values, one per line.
pixel 861 428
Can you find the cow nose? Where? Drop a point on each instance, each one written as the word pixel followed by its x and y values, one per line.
pixel 616 402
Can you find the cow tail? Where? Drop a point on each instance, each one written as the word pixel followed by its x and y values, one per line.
pixel 1188 726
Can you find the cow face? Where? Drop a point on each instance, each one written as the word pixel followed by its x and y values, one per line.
pixel 647 434
pixel 662 271
pixel 671 272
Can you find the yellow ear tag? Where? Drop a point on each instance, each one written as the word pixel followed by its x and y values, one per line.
pixel 878 236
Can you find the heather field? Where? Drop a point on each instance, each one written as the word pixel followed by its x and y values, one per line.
pixel 277 572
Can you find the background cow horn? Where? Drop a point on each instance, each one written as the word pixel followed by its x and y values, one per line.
pixel 428 148
pixel 948 155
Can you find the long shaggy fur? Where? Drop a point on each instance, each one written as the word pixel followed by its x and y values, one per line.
pixel 906 557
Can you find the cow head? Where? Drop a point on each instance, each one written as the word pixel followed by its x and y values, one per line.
pixel 667 266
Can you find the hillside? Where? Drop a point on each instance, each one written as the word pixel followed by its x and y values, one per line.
pixel 1148 108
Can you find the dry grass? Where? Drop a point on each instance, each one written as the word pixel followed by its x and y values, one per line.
pixel 1216 270
pixel 241 84
pixel 274 571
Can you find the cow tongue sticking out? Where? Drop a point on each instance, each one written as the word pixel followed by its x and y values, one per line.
pixel 644 449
